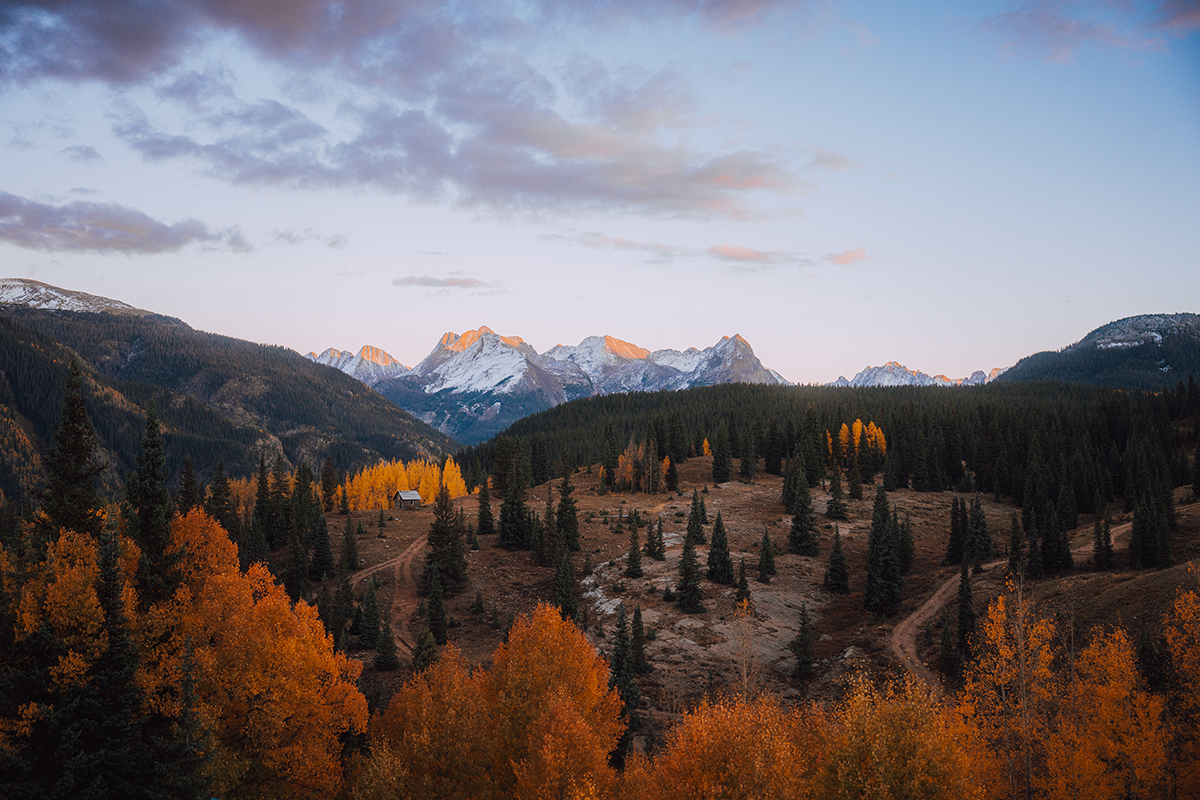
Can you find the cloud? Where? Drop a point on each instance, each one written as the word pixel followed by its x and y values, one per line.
pixel 597 239
pixel 736 252
pixel 83 226
pixel 819 157
pixel 337 241
pixel 1055 29
pixel 288 236
pixel 82 154
pixel 849 256
pixel 441 283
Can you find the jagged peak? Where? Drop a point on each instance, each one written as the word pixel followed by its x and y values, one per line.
pixel 460 342
pixel 377 356
pixel 624 349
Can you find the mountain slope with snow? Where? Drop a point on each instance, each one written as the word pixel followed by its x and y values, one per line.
pixel 896 374
pixel 370 364
pixel 35 294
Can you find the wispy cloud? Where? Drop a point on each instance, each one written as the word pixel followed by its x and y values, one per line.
pixel 289 236
pixel 428 282
pixel 83 226
pixel 1055 29
pixel 737 252
pixel 848 257
pixel 82 154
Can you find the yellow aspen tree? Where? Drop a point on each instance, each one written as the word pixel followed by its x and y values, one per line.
pixel 452 479
pixel 707 450
pixel 1182 631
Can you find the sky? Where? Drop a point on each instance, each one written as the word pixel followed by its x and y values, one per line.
pixel 948 185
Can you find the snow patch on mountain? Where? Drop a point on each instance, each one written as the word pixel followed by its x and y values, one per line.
pixel 1137 331
pixel 35 294
pixel 894 373
pixel 369 365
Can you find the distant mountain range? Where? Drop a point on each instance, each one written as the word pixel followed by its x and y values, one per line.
pixel 219 398
pixel 896 374
pixel 473 385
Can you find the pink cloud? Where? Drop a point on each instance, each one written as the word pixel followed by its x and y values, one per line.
pixel 736 252
pixel 849 257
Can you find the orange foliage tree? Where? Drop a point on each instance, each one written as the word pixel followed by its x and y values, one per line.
pixel 1182 632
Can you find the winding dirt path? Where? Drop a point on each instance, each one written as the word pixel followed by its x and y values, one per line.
pixel 903 642
pixel 404 591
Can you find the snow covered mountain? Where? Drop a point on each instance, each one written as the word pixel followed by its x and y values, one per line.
pixel 475 384
pixel 896 374
pixel 370 364
pixel 35 294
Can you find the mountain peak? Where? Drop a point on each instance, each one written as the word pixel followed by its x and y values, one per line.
pixel 624 349
pixel 460 342
pixel 35 294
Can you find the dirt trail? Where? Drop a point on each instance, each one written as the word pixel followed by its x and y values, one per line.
pixel 404 593
pixel 903 643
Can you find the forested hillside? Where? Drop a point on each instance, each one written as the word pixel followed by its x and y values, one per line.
pixel 220 398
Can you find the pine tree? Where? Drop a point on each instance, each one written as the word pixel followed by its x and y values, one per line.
pixel 792 480
pixel 70 501
pixel 567 518
pixel 344 502
pixel 189 491
pixel 967 618
pixel 321 567
pixel 634 567
pixel 836 507
pixel 672 477
pixel 748 467
pixel 278 518
pixel 689 595
pixel 695 526
pixel 220 505
pixel 148 510
pixel 722 459
pixel 348 557
pixel 564 588
pixel 802 538
pixel 1016 546
pixel 386 659
pixel 486 523
pixel 637 646
pixel 621 666
pixel 329 484
pixel 907 546
pixel 295 573
pixel 370 630
pixel 720 562
pixel 855 478
pixel 801 646
pixel 837 574
pixel 956 547
pixel 878 543
pixel 425 654
pixel 766 559
pixel 436 613
pixel 743 585
pixel 446 546
pixel 656 546
pixel 978 539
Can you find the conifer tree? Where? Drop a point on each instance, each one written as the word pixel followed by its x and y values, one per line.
pixel 436 609
pixel 621 666
pixel 743 585
pixel 633 568
pixel 792 480
pixel 321 567
pixel 567 518
pixel 801 646
pixel 837 573
pixel 906 551
pixel 979 540
pixel 446 546
pixel 219 503
pixel 720 562
pixel 689 595
pixel 348 557
pixel 344 502
pixel 564 588
pixel 956 547
pixel 329 484
pixel 722 459
pixel 748 467
pixel 855 478
pixel 70 501
pixel 672 477
pixel 486 523
pixel 637 645
pixel 370 629
pixel 802 539
pixel 425 653
pixel 1016 546
pixel 278 518
pixel 148 510
pixel 386 658
pixel 1102 553
pixel 773 450
pixel 766 558
pixel 836 507
pixel 878 543
pixel 295 573
pixel 967 618
pixel 190 495
pixel 695 526
pixel 703 513
pixel 656 546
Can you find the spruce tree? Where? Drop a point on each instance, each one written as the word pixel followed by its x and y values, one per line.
pixel 766 558
pixel 344 502
pixel 425 654
pixel 967 617
pixel 621 668
pixel 1016 546
pixel 792 479
pixel 370 630
pixel 656 546
pixel 219 503
pixel 855 478
pixel 720 562
pixel 689 595
pixel 386 658
pixel 743 585
pixel 486 523
pixel 878 544
pixel 70 501
pixel 321 567
pixel 748 466
pixel 436 613
pixel 907 546
pixel 672 478
pixel 148 510
pixel 190 495
pixel 722 459
pixel 633 568
pixel 956 547
pixel 329 484
pixel 295 571
pixel 567 518
pixel 695 526
pixel 348 557
pixel 637 644
pixel 446 546
pixel 552 544
pixel 801 646
pixel 802 538
pixel 837 573
pixel 564 588
pixel 836 507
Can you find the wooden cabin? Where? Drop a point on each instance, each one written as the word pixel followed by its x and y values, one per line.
pixel 406 499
